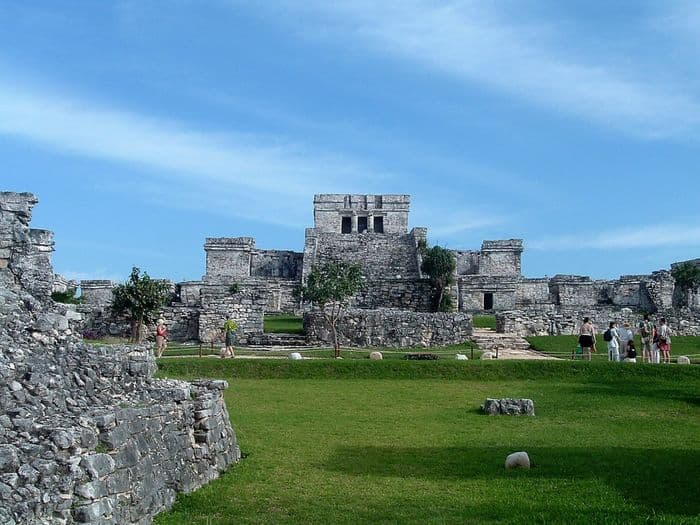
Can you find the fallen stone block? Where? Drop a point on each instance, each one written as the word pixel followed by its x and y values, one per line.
pixel 508 407
pixel 376 356
pixel 683 360
pixel 518 460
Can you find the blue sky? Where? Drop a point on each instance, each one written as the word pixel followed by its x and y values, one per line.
pixel 146 126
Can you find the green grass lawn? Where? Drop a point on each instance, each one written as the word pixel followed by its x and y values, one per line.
pixel 484 321
pixel 355 441
pixel 285 324
pixel 562 346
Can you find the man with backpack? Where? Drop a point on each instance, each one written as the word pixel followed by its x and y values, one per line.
pixel 646 334
pixel 612 337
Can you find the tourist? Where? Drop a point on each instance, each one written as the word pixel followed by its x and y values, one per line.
pixel 665 340
pixel 230 329
pixel 631 352
pixel 626 336
pixel 161 337
pixel 646 334
pixel 586 338
pixel 612 337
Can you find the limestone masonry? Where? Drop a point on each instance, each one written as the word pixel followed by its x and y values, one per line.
pixel 86 434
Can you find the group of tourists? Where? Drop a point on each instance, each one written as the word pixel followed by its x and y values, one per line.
pixel 230 328
pixel 655 341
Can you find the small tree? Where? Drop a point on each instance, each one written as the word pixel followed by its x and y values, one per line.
pixel 439 264
pixel 139 299
pixel 67 297
pixel 686 275
pixel 329 287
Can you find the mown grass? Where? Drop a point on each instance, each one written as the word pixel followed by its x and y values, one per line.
pixel 484 321
pixel 563 345
pixel 283 324
pixel 403 442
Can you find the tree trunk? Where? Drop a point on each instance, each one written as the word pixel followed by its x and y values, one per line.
pixel 441 292
pixel 136 330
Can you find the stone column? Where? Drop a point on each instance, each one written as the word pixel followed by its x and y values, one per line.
pixel 354 222
pixel 370 222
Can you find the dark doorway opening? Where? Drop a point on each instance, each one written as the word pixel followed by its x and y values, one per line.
pixel 346 225
pixel 488 301
pixel 361 224
pixel 379 225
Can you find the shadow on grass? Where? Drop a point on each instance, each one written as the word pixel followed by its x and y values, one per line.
pixel 637 389
pixel 663 480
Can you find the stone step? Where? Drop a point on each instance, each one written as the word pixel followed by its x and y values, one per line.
pixel 286 340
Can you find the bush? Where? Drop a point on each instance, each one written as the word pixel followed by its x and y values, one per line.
pixel 234 288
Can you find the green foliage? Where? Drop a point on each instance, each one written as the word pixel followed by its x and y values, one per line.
pixel 439 265
pixel 67 297
pixel 234 288
pixel 335 281
pixel 139 299
pixel 687 275
pixel 329 287
pixel 610 444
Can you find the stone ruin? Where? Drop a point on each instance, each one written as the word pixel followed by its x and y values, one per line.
pixel 87 435
pixel 372 230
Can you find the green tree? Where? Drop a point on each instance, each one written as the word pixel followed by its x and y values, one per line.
pixel 329 287
pixel 139 299
pixel 686 275
pixel 439 265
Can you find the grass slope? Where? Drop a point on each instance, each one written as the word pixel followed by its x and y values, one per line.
pixel 403 442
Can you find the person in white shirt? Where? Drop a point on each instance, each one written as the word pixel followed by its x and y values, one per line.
pixel 613 343
pixel 665 340
pixel 626 336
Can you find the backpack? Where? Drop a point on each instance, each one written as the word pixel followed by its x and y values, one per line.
pixel 607 336
pixel 644 330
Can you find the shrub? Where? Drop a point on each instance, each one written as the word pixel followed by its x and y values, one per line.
pixel 421 356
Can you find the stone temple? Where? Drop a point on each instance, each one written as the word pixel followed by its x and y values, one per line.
pixel 372 230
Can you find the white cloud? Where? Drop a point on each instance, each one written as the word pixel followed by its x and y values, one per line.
pixel 656 236
pixel 237 165
pixel 475 42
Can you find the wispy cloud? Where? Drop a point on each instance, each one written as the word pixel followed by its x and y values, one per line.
pixel 273 168
pixel 656 236
pixel 477 43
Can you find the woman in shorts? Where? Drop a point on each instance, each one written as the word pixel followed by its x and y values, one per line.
pixel 586 338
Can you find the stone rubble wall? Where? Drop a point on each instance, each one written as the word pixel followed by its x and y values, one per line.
pixel 553 320
pixel 403 294
pixel 247 308
pixel 391 328
pixel 86 434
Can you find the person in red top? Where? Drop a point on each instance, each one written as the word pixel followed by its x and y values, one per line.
pixel 161 337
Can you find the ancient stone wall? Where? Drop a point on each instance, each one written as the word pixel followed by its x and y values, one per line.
pixel 277 264
pixel 532 291
pixel 473 289
pixel 247 307
pixel 329 210
pixel 467 262
pixel 501 257
pixel 86 434
pixel 392 328
pixel 96 292
pixel 403 294
pixel 553 320
pixel 380 256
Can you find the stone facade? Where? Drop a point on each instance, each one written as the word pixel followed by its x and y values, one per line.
pixel 86 434
pixel 391 328
pixel 372 231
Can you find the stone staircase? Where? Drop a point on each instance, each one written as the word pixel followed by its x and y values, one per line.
pixel 505 346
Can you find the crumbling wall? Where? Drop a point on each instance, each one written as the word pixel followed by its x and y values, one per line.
pixel 86 434
pixel 247 307
pixel 385 327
